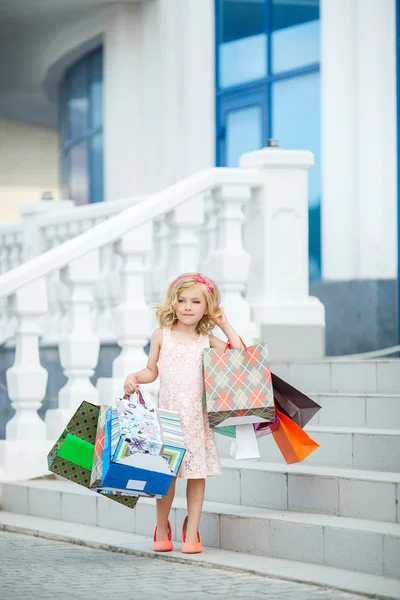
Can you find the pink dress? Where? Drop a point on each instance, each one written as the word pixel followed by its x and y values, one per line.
pixel 180 367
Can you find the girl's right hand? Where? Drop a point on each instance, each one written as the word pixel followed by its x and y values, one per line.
pixel 130 384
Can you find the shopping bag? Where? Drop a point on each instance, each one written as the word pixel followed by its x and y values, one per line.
pixel 294 443
pixel 293 403
pixel 261 429
pixel 136 459
pixel 72 455
pixel 238 384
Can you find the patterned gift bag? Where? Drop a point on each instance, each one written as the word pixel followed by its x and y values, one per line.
pixel 238 384
pixel 72 455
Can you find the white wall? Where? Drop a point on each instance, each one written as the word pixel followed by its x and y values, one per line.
pixel 359 202
pixel 29 165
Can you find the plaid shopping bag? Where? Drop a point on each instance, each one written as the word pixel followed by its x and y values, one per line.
pixel 238 384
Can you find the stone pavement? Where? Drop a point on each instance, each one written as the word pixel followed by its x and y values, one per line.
pixel 33 568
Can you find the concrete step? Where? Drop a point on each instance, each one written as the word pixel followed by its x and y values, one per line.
pixel 240 562
pixel 369 495
pixel 358 410
pixel 345 377
pixel 343 447
pixel 355 544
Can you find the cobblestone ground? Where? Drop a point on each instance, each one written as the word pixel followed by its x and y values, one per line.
pixel 38 569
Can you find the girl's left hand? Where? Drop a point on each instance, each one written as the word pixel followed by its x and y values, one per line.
pixel 221 321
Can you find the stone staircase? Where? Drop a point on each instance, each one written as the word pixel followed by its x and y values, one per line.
pixel 338 510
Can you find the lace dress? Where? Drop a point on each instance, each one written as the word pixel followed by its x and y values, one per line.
pixel 180 368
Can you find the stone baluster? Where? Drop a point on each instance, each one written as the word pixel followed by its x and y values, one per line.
pixel 186 221
pixel 210 239
pixel 79 347
pixel 132 315
pixel 26 447
pixel 161 259
pixel 229 264
pixel 103 317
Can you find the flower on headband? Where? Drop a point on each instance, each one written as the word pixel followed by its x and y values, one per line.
pixel 199 279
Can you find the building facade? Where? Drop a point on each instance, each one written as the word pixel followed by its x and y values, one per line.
pixel 100 101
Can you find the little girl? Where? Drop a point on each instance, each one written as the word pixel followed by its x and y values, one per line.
pixel 190 311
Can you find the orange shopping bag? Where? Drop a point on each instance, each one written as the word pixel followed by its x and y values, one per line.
pixel 292 441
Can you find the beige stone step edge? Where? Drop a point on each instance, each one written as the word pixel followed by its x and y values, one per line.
pixel 132 544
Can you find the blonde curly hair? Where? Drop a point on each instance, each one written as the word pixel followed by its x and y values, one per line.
pixel 165 312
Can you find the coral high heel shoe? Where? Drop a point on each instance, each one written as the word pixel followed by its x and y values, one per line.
pixel 163 545
pixel 190 547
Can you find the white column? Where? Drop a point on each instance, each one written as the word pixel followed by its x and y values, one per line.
pixel 292 322
pixel 197 17
pixel 24 451
pixel 376 138
pixel 123 103
pixel 339 205
pixel 79 346
pixel 229 264
pixel 187 99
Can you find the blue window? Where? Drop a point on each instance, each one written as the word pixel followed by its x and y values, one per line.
pixel 268 85
pixel 81 124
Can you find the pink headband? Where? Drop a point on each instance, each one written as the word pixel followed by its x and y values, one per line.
pixel 199 279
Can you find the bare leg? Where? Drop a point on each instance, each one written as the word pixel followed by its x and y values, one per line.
pixel 195 497
pixel 163 510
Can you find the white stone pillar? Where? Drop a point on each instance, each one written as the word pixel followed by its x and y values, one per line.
pixel 79 346
pixel 229 264
pixel 375 123
pixel 198 58
pixel 186 37
pixel 24 451
pixel 339 205
pixel 123 64
pixel 292 323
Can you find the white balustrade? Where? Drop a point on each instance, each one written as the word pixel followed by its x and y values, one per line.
pixel 79 347
pixel 229 263
pixel 25 447
pixel 102 278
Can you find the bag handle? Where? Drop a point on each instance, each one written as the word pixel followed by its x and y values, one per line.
pixel 229 347
pixel 139 394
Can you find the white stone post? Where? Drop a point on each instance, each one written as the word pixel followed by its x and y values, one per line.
pixel 103 317
pixel 292 323
pixel 186 221
pixel 79 347
pixel 229 264
pixel 24 451
pixel 161 258
pixel 132 315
